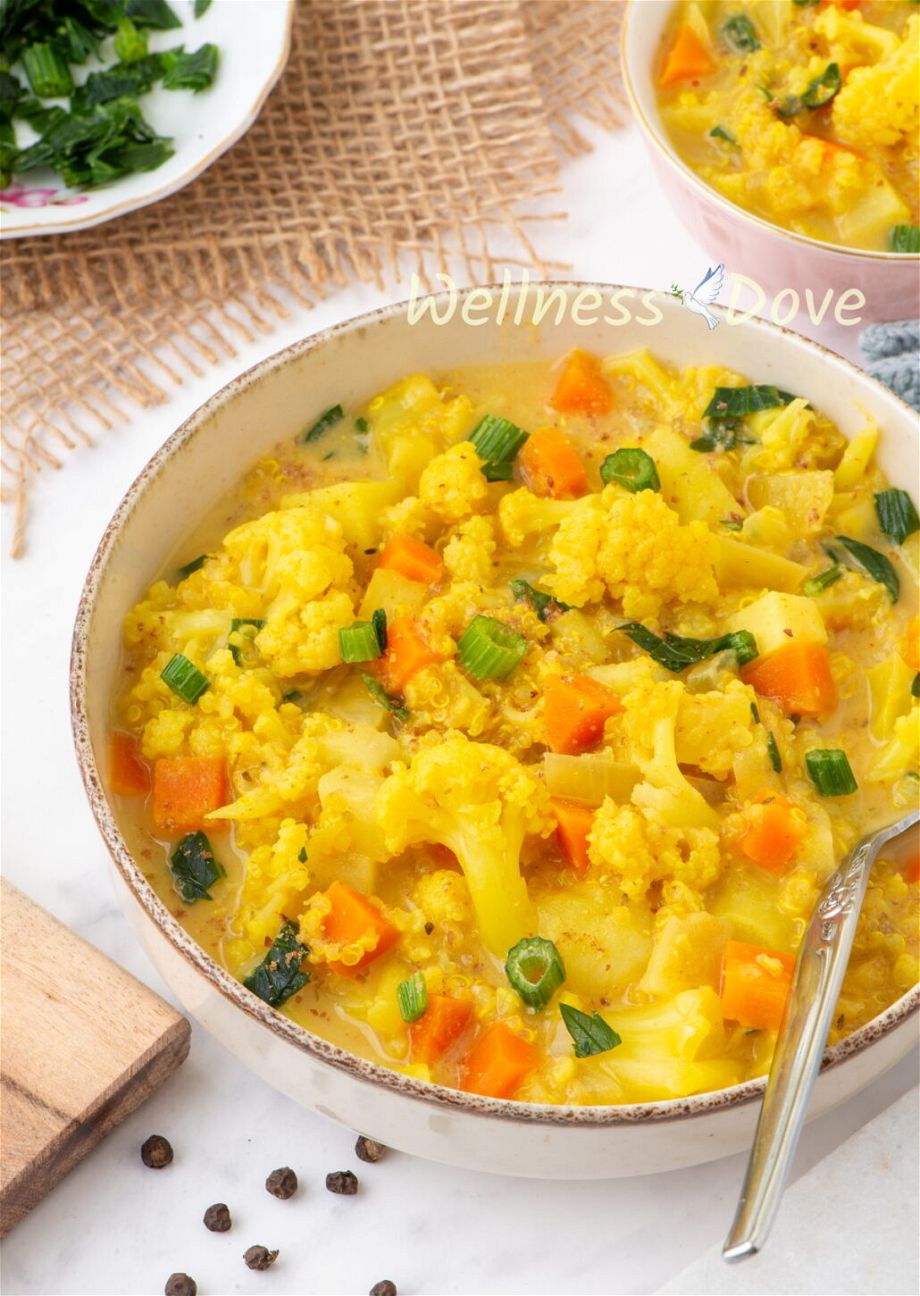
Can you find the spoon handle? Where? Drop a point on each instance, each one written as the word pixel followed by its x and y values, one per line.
pixel 819 972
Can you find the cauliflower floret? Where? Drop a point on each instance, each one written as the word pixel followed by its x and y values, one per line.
pixel 639 550
pixel 444 898
pixel 276 877
pixel 624 841
pixel 469 551
pixel 408 516
pixel 444 618
pixel 289 786
pixel 441 697
pixel 304 640
pixel 880 104
pixel 713 727
pixel 522 514
pixel 479 802
pixel 453 485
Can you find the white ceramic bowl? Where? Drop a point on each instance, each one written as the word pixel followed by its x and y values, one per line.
pixel 774 257
pixel 201 461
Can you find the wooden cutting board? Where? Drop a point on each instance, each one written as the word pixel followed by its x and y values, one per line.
pixel 82 1044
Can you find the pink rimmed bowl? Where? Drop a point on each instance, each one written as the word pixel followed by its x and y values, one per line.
pixel 189 474
pixel 777 259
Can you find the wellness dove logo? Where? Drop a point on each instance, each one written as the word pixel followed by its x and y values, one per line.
pixel 703 295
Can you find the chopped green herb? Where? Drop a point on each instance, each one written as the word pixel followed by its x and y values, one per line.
pixel 152 13
pixel 631 468
pixel 755 713
pixel 816 94
pixel 915 686
pixel 904 238
pixel 302 854
pixel 731 524
pixel 816 584
pixel 412 997
pixel 130 42
pixel 242 632
pixel 379 622
pixel 75 41
pixel 719 132
pixel 806 4
pixel 738 402
pixel 328 419
pixel 494 471
pixel 676 653
pixel 184 678
pixel 590 1033
pixel 488 649
pixel 829 770
pixel 97 147
pixel 195 71
pixel 543 604
pixel 395 705
pixel 48 73
pixel 359 642
pixel 721 434
pixel 534 969
pixel 278 976
pixel 497 438
pixel 194 868
pixel 195 565
pixel 773 752
pixel 201 7
pixel 361 424
pixel 874 564
pixel 897 516
pixel 739 35
pixel 295 696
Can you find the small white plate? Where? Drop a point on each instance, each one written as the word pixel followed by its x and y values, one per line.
pixel 253 37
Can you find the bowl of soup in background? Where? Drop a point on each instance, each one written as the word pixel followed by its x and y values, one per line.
pixel 192 471
pixel 777 259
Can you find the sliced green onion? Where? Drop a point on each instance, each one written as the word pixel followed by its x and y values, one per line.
pixel 379 622
pixel 190 71
pixel 361 424
pixel 498 470
pixel 534 969
pixel 328 419
pixel 488 649
pixel 359 642
pixel 773 752
pixel 412 996
pixel 590 1034
pixel 245 629
pixel 395 705
pixel 822 90
pixel 675 652
pixel 897 516
pixel 719 132
pixel 829 770
pixel 738 34
pixel 737 402
pixel 195 565
pixel 542 603
pixel 49 76
pixel 194 868
pixel 874 564
pixel 904 238
pixel 278 976
pixel 731 524
pixel 184 678
pixel 497 439
pixel 150 13
pixel 816 584
pixel 130 43
pixel 915 686
pixel 755 713
pixel 631 468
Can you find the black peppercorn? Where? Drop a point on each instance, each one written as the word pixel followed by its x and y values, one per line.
pixel 342 1181
pixel 259 1257
pixel 282 1183
pixel 217 1218
pixel 368 1149
pixel 157 1152
pixel 383 1288
pixel 179 1284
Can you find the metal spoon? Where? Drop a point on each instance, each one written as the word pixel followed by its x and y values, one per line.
pixel 816 982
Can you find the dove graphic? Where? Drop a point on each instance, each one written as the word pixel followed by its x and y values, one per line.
pixel 703 295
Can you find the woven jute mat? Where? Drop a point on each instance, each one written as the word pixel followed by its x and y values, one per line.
pixel 402 132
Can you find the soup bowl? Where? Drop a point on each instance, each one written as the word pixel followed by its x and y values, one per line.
pixel 195 467
pixel 779 260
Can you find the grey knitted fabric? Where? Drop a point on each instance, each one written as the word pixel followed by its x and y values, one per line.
pixel 892 354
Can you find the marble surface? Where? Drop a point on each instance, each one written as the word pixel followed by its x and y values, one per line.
pixel 115 1226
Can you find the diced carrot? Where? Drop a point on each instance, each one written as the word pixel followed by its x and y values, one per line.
pixel 574 710
pixel 440 1026
pixel 911 652
pixel 411 558
pixel 797 676
pixel 406 653
pixel 573 823
pixel 352 917
pixel 499 1062
pixel 755 984
pixel 128 775
pixel 581 387
pixel 841 4
pixel 550 465
pixel 185 790
pixel 687 60
pixel 912 871
pixel 775 830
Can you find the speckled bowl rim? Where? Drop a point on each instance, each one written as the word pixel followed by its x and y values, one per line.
pixel 283 1028
pixel 658 139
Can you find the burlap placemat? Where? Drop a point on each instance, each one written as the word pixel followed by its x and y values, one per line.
pixel 449 149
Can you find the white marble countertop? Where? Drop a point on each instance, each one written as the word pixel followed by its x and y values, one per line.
pixel 115 1226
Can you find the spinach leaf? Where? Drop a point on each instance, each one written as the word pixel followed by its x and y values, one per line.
pixel 897 516
pixel 737 402
pixel 542 603
pixel 874 564
pixel 194 867
pixel 328 419
pixel 590 1034
pixel 190 71
pixel 152 13
pixel 739 35
pixel 278 976
pixel 676 653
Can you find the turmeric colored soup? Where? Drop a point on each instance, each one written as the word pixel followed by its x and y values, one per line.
pixel 805 114
pixel 366 842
